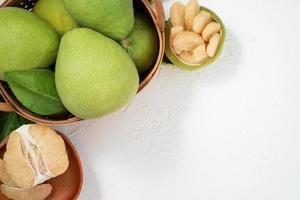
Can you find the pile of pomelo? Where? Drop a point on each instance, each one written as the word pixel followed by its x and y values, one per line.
pixel 77 56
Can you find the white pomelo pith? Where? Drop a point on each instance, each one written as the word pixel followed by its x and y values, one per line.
pixel 94 74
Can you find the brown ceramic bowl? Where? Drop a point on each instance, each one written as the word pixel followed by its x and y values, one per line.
pixel 154 12
pixel 66 186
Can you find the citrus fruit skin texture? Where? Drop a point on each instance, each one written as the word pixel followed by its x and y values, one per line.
pixel 142 43
pixel 55 13
pixel 94 74
pixel 27 41
pixel 177 62
pixel 113 18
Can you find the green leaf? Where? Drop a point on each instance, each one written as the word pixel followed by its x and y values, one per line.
pixel 36 90
pixel 10 122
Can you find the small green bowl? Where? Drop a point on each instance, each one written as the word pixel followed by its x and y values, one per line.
pixel 176 61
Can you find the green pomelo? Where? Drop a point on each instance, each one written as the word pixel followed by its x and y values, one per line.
pixel 179 63
pixel 94 74
pixel 113 18
pixel 142 43
pixel 26 41
pixel 55 13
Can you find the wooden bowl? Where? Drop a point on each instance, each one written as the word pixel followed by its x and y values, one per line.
pixel 66 186
pixel 154 11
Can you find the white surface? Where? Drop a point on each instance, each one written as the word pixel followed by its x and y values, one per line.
pixel 230 131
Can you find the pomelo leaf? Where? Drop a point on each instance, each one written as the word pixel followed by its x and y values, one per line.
pixel 35 89
pixel 10 121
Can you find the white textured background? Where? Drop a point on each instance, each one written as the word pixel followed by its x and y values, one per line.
pixel 230 131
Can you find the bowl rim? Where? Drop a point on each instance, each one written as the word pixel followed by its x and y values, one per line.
pixel 79 163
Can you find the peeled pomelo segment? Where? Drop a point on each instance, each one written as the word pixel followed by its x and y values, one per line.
pixel 177 51
pixel 177 14
pixel 190 11
pixel 210 29
pixel 213 44
pixel 187 57
pixel 187 41
pixel 52 146
pixel 39 192
pixel 4 177
pixel 175 30
pixel 201 20
pixel 17 166
pixel 199 54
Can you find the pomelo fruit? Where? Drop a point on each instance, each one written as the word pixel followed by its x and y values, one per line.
pixel 171 55
pixel 142 43
pixel 26 41
pixel 112 18
pixel 94 74
pixel 54 12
